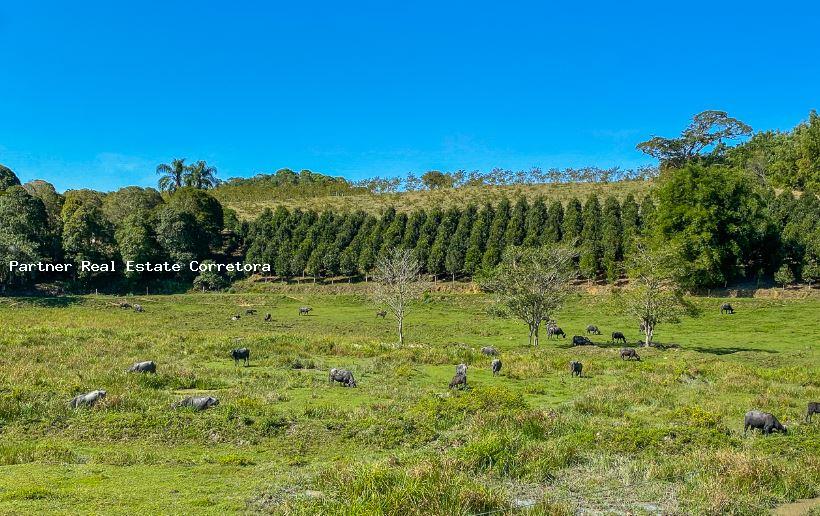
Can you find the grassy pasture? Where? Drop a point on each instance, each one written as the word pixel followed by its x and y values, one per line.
pixel 663 435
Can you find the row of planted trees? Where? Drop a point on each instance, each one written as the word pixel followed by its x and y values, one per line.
pixel 453 242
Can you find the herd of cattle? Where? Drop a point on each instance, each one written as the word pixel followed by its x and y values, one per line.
pixel 753 419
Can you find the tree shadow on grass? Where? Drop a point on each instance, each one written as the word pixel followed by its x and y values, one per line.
pixel 730 350
pixel 41 301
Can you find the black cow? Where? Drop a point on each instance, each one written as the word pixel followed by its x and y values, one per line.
pixel 813 408
pixel 618 336
pixel 630 354
pixel 267 317
pixel 459 380
pixel 86 400
pixel 304 310
pixel 762 421
pixel 580 340
pixel 461 369
pixel 241 354
pixel 489 351
pixel 250 311
pixel 144 367
pixel 381 313
pixel 726 308
pixel 496 366
pixel 555 331
pixel 343 376
pixel 592 329
pixel 575 368
pixel 198 403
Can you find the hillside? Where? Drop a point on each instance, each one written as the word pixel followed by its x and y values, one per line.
pixel 248 200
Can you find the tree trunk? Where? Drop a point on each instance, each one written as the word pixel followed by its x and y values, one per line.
pixel 536 333
pixel 401 331
pixel 648 339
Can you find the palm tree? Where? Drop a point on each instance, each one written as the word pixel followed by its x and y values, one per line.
pixel 173 175
pixel 201 176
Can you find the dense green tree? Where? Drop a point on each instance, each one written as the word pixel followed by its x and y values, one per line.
pixel 554 223
pixel 128 202
pixel 591 247
pixel 478 239
pixel 495 239
pixel 712 214
pixel 611 239
pixel 7 178
pixel 24 232
pixel 534 224
pixel 573 223
pixel 136 242
pixel 516 229
pixel 457 249
pixel 438 251
pixel 89 236
pixel 630 221
pixel 413 229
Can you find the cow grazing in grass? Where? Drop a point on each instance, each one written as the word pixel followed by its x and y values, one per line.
pixel 555 331
pixel 149 366
pixel 86 400
pixel 813 408
pixel 198 403
pixel 575 368
pixel 593 330
pixel 489 351
pixel 267 317
pixel 629 353
pixel 726 308
pixel 459 381
pixel 125 305
pixel 461 369
pixel 580 340
pixel 304 310
pixel 236 317
pixel 381 313
pixel 250 311
pixel 343 376
pixel 138 308
pixel 762 421
pixel 241 354
pixel 496 366
pixel 618 337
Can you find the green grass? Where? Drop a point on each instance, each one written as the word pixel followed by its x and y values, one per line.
pixel 250 200
pixel 663 434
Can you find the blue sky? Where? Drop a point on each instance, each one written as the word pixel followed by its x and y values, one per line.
pixel 95 94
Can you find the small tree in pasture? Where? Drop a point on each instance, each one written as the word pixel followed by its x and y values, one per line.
pixel 532 283
pixel 653 296
pixel 397 285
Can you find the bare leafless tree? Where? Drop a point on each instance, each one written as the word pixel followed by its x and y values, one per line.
pixel 397 284
pixel 532 283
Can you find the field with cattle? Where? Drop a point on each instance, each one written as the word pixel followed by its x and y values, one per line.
pixel 660 435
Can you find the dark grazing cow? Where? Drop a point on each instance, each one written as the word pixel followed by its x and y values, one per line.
pixel 198 403
pixel 555 331
pixel 496 366
pixel 618 336
pixel 629 353
pixel 343 376
pixel 459 380
pixel 86 400
pixel 489 351
pixel 813 408
pixel 592 329
pixel 138 308
pixel 267 317
pixel 241 354
pixel 726 308
pixel 304 310
pixel 461 369
pixel 125 305
pixel 250 311
pixel 381 313
pixel 149 366
pixel 762 421
pixel 575 368
pixel 580 340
